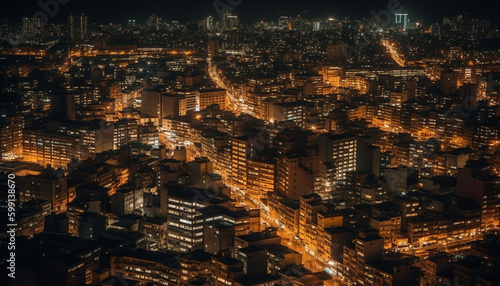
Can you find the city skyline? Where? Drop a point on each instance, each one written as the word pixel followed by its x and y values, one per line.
pixel 427 12
pixel 247 143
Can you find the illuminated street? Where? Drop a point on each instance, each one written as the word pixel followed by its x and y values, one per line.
pixel 249 143
pixel 393 52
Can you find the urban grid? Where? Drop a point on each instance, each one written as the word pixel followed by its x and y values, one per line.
pixel 286 151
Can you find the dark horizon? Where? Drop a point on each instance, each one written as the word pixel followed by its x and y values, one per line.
pixel 425 12
pixel 226 151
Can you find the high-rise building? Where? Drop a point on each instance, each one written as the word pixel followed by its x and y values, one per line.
pixel 171 105
pixel 184 220
pixel 226 270
pixel 153 22
pixel 195 267
pixel 240 149
pixel 269 236
pixel 58 142
pixel 293 178
pixel 125 132
pixel 401 20
pixel 76 257
pixel 127 199
pixel 148 134
pixel 283 22
pixel 341 151
pixel 310 205
pixel 209 23
pixel 286 211
pixel 288 111
pixel 316 25
pixel 78 27
pixel 151 101
pixel 91 225
pixel 32 26
pixel 62 105
pixel 387 227
pixel 218 237
pixel 260 178
pixel 253 258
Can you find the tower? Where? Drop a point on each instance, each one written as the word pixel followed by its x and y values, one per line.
pixel 78 27
pixel 401 20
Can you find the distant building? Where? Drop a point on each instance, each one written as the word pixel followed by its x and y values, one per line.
pixel 316 25
pixel 78 27
pixel 401 20
pixel 209 23
pixel 229 21
pixel 340 150
pixel 337 54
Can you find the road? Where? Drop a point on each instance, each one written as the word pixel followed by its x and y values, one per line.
pixel 311 262
pixel 235 103
pixel 393 52
pixel 288 239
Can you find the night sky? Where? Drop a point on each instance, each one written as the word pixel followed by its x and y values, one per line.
pixel 119 11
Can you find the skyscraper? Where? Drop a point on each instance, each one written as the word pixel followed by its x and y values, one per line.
pixel 341 151
pixel 316 25
pixel 401 20
pixel 283 22
pixel 230 21
pixel 153 22
pixel 209 23
pixel 32 26
pixel 78 27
